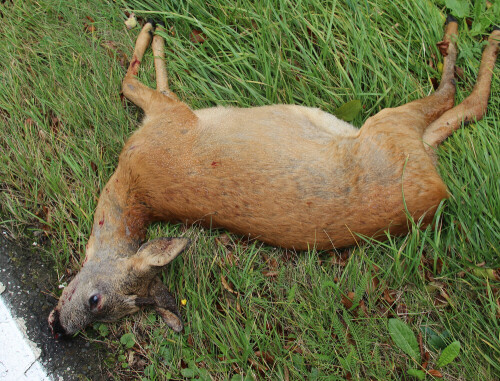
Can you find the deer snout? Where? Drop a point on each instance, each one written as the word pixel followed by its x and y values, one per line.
pixel 55 325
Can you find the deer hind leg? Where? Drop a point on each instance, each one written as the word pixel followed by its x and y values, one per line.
pixel 418 114
pixel 474 106
pixel 443 98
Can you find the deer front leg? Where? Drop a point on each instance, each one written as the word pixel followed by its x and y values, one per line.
pixel 136 92
pixel 165 305
pixel 474 106
pixel 158 47
pixel 150 259
pixel 443 98
pixel 152 101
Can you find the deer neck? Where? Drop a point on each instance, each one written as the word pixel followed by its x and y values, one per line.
pixel 120 222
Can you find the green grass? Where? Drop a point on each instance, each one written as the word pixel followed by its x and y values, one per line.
pixel 63 125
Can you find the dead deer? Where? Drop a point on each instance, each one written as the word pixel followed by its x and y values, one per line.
pixel 291 176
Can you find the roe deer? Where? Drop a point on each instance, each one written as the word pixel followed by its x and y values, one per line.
pixel 291 176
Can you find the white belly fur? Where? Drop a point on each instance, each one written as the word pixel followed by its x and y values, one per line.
pixel 283 121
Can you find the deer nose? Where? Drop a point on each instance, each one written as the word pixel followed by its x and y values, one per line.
pixel 55 325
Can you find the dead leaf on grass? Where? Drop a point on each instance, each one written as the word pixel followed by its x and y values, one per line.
pixel 112 49
pixel 231 259
pixel 40 195
pixel 373 285
pixel 54 123
pixel 427 356
pixel 223 240
pixel 270 274
pixel 363 307
pixel 444 294
pixel 257 365
pixel 439 301
pixel 402 311
pixel 227 285
pixel 29 122
pixel 197 37
pixel 433 286
pixel 238 306
pixel 42 135
pixel 459 73
pixel 340 258
pixel 431 61
pixel 312 35
pixel 443 47
pixel 294 349
pixel 272 264
pixel 390 296
pixel 347 300
pixel 287 255
pixel 219 308
pixel 439 266
pixel 435 373
pixel 420 344
pixel 286 373
pixel 89 28
pixel 268 358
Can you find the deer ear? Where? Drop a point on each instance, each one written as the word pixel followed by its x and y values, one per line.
pixel 157 253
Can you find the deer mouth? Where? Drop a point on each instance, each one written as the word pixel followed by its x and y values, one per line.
pixel 56 327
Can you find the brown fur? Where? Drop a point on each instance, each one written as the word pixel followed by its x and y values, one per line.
pixel 290 176
pixel 258 173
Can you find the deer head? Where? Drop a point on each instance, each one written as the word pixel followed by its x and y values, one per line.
pixel 110 287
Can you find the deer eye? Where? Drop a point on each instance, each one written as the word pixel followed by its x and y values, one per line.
pixel 94 300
